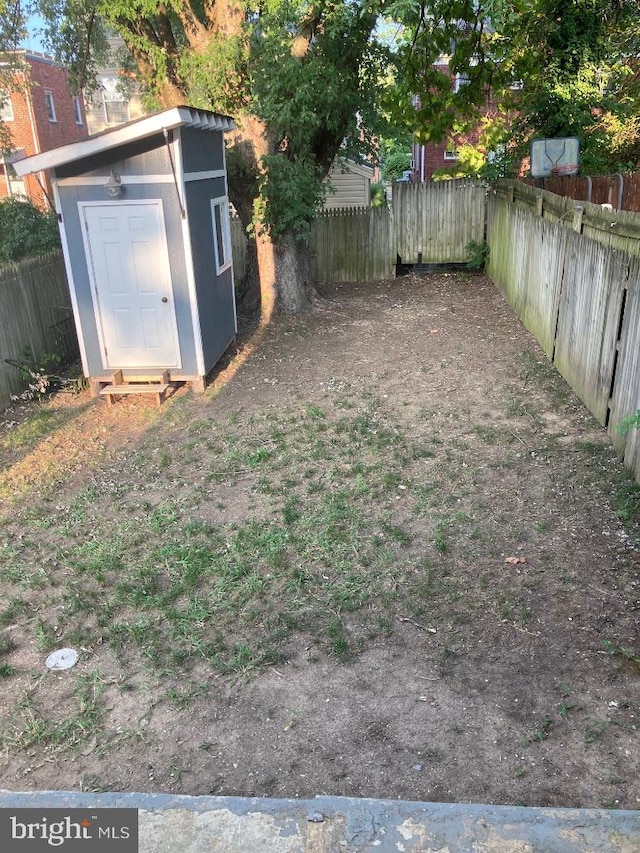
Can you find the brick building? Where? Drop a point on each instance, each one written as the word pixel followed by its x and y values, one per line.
pixel 40 113
pixel 427 159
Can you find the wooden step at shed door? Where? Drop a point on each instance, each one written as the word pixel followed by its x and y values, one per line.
pixel 152 385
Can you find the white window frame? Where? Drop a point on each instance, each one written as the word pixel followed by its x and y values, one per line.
pixel 77 109
pixel 450 154
pixel 112 98
pixel 222 238
pixel 16 186
pixel 6 107
pixel 50 106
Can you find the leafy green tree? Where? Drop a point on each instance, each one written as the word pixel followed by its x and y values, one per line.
pixel 394 154
pixel 298 77
pixel 578 63
pixel 26 231
pixel 549 68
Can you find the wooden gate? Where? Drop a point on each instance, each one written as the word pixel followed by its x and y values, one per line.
pixel 435 221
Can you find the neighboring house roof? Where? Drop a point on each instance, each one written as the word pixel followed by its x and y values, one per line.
pixel 350 166
pixel 130 132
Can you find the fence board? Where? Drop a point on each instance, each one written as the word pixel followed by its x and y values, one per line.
pixel 435 221
pixel 526 261
pixel 589 319
pixel 619 229
pixel 352 244
pixel 35 313
pixel 238 249
pixel 626 393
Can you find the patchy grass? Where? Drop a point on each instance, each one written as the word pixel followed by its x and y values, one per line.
pixel 482 544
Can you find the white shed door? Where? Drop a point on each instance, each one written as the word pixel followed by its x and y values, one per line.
pixel 128 261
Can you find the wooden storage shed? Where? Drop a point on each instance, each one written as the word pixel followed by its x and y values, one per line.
pixel 144 220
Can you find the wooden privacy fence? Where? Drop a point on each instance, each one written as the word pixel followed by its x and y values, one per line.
pixel 352 244
pixel 35 316
pixel 434 222
pixel 238 249
pixel 621 191
pixel 430 223
pixel 581 299
pixel 620 229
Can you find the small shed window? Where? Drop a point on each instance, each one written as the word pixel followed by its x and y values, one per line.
pixel 50 105
pixel 6 107
pixel 221 233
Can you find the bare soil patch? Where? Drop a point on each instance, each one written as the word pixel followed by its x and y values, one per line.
pixel 392 556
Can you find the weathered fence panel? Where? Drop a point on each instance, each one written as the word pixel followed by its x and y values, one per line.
pixel 435 221
pixel 238 249
pixel 352 244
pixel 588 320
pixel 35 315
pixel 619 229
pixel 625 400
pixel 579 296
pixel 526 262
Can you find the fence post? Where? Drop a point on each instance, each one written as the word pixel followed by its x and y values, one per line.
pixel 578 211
pixel 539 203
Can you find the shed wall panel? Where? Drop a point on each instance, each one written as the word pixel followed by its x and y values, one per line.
pixel 69 198
pixel 202 150
pixel 348 189
pixel 143 157
pixel 216 306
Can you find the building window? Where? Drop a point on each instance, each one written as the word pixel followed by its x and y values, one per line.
pixel 221 233
pixel 50 105
pixel 451 154
pixel 114 102
pixel 6 107
pixel 77 109
pixel 15 185
pixel 116 109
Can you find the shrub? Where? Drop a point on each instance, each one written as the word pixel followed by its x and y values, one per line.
pixel 477 255
pixel 25 230
pixel 395 164
pixel 378 195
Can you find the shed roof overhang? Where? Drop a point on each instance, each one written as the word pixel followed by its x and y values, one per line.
pixel 125 133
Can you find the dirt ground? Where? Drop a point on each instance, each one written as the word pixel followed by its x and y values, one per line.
pixel 513 680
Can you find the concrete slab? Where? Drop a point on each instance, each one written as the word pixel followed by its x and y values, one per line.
pixel 343 825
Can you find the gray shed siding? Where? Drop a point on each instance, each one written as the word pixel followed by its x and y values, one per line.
pixel 142 157
pixel 216 305
pixel 202 151
pixel 204 301
pixel 69 198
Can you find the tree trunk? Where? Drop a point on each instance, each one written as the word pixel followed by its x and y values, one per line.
pixel 292 285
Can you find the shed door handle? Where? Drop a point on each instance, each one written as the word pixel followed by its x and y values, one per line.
pixel 164 299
